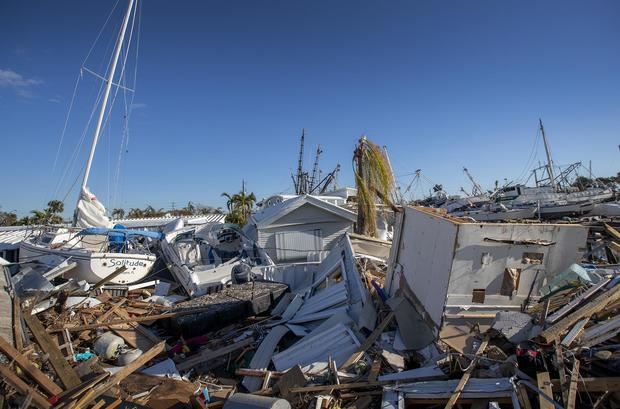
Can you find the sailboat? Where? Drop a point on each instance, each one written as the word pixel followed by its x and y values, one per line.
pixel 553 196
pixel 93 243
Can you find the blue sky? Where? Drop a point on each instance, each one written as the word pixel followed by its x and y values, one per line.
pixel 224 89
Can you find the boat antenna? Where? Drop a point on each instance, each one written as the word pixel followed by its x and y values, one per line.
pixel 477 189
pixel 299 188
pixel 548 152
pixel 106 94
pixel 315 168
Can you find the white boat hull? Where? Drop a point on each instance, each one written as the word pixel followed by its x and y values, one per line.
pixel 200 278
pixel 488 216
pixel 91 266
pixel 566 209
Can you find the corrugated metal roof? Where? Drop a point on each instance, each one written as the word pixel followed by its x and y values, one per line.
pixel 10 237
pixel 157 222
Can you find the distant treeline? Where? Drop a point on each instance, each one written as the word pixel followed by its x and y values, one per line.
pixel 192 209
pixel 583 182
pixel 51 214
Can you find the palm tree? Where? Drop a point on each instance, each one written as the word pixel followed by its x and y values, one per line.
pixel 150 211
pixel 229 201
pixel 239 207
pixel 8 218
pixel 50 215
pixel 38 217
pixel 55 206
pixel 244 202
pixel 135 213
pixel 373 179
pixel 118 213
pixel 190 209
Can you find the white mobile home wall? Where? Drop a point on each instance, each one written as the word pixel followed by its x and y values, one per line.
pixel 444 260
pixel 307 219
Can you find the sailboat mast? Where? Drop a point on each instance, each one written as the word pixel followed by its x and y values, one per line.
pixel 106 94
pixel 549 160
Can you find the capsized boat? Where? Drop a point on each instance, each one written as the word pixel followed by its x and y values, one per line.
pixel 203 259
pixel 97 251
pixel 490 213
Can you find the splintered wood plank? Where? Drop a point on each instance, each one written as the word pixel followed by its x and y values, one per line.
pixel 79 328
pixel 463 381
pixel 523 398
pixel 207 354
pixel 572 391
pixel 559 361
pixel 141 329
pixel 136 336
pixel 590 385
pixel 591 308
pixel 118 376
pixel 112 310
pixel 544 384
pixel 375 368
pixel 114 404
pixel 32 371
pixel 12 379
pixel 18 330
pixel 612 232
pixel 65 372
pixel 6 305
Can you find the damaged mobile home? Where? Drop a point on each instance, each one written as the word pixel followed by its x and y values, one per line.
pixel 299 227
pixel 454 270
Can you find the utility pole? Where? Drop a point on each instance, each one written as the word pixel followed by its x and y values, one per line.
pixel 549 160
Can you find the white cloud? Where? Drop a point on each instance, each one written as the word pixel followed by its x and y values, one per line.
pixel 21 85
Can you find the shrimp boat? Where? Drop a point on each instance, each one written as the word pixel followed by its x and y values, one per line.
pixel 98 247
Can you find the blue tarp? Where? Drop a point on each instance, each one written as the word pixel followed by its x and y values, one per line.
pixel 126 233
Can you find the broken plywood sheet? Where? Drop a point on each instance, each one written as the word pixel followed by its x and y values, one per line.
pixel 457 333
pixel 413 330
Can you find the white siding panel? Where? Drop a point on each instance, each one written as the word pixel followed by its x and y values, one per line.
pixel 330 231
pixel 295 245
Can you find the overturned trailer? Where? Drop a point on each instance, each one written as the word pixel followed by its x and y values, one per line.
pixel 454 271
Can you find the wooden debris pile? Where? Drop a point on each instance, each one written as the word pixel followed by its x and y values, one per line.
pixel 86 350
pixel 339 342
